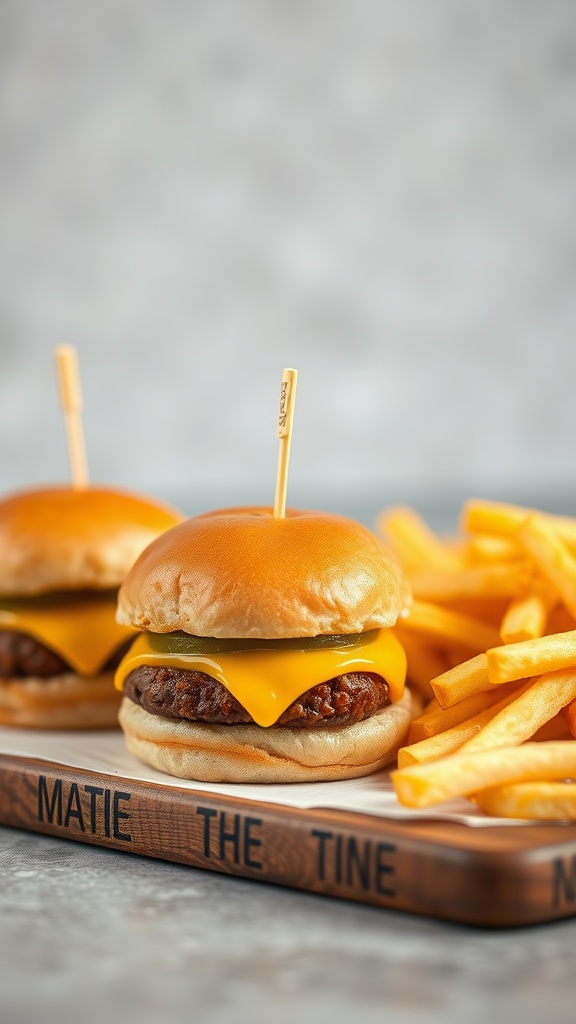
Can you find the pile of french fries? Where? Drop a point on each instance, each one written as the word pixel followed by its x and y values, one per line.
pixel 491 645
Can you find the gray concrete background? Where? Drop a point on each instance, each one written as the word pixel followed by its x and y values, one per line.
pixel 382 194
pixel 93 935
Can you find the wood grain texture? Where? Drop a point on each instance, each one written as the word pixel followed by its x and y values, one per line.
pixel 491 877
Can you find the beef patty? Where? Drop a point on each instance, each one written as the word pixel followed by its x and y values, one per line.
pixel 22 655
pixel 178 693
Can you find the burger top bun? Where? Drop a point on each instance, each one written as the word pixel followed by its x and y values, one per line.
pixel 243 573
pixel 62 539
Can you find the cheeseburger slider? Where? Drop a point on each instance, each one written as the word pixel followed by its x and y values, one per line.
pixel 267 653
pixel 63 554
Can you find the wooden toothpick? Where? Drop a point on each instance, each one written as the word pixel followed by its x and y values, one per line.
pixel 71 401
pixel 285 420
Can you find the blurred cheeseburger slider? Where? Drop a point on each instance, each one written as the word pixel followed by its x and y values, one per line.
pixel 267 653
pixel 63 554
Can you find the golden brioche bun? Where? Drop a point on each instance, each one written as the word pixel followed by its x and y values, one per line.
pixel 248 753
pixel 243 573
pixel 67 701
pixel 57 538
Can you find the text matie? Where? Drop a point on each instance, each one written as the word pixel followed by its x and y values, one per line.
pixel 93 809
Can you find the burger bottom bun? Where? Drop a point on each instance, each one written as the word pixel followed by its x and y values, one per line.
pixel 249 753
pixel 67 701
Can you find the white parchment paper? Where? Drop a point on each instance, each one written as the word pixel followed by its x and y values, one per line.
pixel 103 751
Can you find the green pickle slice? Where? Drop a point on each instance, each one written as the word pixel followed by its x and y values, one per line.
pixel 185 643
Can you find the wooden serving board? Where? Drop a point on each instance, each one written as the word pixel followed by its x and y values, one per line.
pixel 490 876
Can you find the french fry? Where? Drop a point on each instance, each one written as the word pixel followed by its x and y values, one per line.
pixel 481 581
pixel 542 801
pixel 413 541
pixel 462 681
pixel 462 774
pixel 492 517
pixel 446 626
pixel 522 718
pixel 527 616
pixel 444 743
pixel 530 658
pixel 481 549
pixel 440 720
pixel 435 747
pixel 549 552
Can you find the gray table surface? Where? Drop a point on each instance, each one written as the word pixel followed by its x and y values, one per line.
pixel 90 934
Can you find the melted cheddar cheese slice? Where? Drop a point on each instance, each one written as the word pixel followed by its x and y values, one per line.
pixel 81 629
pixel 266 682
